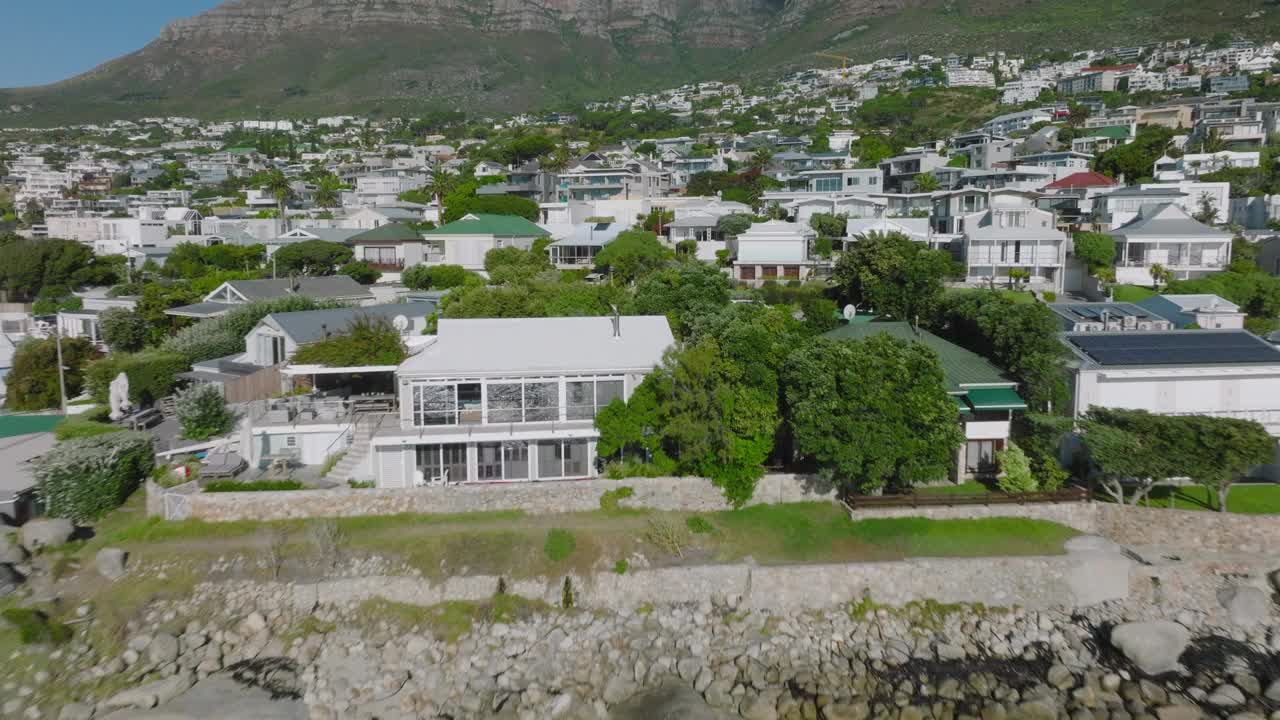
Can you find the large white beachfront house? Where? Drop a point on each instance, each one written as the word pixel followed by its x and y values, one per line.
pixel 512 400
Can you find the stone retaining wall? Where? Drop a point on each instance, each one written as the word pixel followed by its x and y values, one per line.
pixel 535 498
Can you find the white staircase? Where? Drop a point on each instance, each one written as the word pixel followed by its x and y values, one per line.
pixel 352 466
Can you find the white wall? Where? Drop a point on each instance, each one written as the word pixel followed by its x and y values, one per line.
pixel 1250 393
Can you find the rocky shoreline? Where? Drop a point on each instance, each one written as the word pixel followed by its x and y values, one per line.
pixel 713 659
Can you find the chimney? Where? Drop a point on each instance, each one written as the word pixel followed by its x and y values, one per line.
pixel 617 321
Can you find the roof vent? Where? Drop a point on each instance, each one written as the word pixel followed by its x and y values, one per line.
pixel 617 321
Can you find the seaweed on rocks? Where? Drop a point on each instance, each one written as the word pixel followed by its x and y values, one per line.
pixel 276 675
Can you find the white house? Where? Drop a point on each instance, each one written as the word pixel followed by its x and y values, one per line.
pixel 1203 310
pixel 774 250
pixel 1192 165
pixel 466 240
pixel 1220 373
pixel 473 411
pixel 341 288
pixel 1168 236
pixel 1011 235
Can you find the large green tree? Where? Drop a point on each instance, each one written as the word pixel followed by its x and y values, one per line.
pixel 684 292
pixel 1136 159
pixel 1096 250
pixel 32 383
pixel 872 413
pixel 894 275
pixel 27 267
pixel 631 255
pixel 311 257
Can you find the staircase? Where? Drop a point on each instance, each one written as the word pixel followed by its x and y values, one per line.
pixel 350 466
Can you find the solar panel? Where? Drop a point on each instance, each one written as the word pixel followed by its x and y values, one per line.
pixel 1177 348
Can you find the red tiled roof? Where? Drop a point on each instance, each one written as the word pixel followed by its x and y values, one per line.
pixel 1101 68
pixel 1081 180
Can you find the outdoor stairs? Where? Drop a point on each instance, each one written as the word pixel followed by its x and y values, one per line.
pixel 350 466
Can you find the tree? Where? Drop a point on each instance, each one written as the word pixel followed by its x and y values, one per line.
pixel 631 255
pixel 1206 209
pixel 28 267
pixel 894 275
pixel 733 224
pixel 32 383
pixel 278 186
pixel 760 158
pixel 202 413
pixel 1015 471
pixel 361 271
pixel 456 208
pixel 829 225
pixel 1020 338
pixel 926 182
pixel 328 191
pixel 33 214
pixel 657 220
pixel 122 330
pixel 1096 250
pixel 1224 451
pixel 872 413
pixel 366 341
pixel 439 277
pixel 683 292
pixel 311 257
pixel 1160 275
pixel 511 264
pixel 1135 159
pixel 155 299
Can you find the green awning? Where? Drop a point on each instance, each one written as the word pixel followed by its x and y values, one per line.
pixel 996 399
pixel 961 405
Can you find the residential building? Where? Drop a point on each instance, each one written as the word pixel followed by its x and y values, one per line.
pixel 83 323
pixel 1107 317
pixel 1229 83
pixel 900 171
pixel 528 181
pixel 774 250
pixel 1201 311
pixel 391 248
pixel 1017 121
pixel 276 337
pixel 1011 235
pixel 1064 160
pixel 473 411
pixel 385 189
pixel 466 241
pixel 578 248
pixel 985 398
pixel 844 180
pixel 1168 236
pixel 965 77
pixel 594 178
pixel 1191 166
pixel 1218 373
pixel 238 292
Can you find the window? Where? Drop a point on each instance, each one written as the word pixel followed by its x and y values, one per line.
pixel 747 272
pixel 562 459
pixel 541 402
pixel 506 403
pixel 581 399
pixel 980 456
pixel 826 184
pixel 606 392
pixel 443 463
pixel 855 181
pixel 434 405
pixel 791 271
pixel 502 461
pixel 380 255
pixel 770 271
pixel 291 441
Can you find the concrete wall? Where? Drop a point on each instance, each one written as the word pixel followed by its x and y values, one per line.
pixel 536 498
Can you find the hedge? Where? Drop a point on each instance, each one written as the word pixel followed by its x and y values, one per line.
pixel 221 486
pixel 152 375
pixel 85 478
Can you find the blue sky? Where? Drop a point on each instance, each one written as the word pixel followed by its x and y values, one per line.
pixel 42 41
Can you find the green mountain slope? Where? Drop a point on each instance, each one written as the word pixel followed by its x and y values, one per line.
pixel 256 67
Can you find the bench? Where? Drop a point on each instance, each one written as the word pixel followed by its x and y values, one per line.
pixel 142 419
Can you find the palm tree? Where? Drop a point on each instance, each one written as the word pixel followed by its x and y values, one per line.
pixel 1213 143
pixel 760 158
pixel 441 184
pixel 926 182
pixel 328 190
pixel 278 185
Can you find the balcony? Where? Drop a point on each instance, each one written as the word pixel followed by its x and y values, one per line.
pixel 386 265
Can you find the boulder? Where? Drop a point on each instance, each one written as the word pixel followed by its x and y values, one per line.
pixel 11 551
pixel 1154 646
pixel 1245 606
pixel 110 562
pixel 10 579
pixel 151 694
pixel 668 702
pixel 76 711
pixel 46 532
pixel 163 649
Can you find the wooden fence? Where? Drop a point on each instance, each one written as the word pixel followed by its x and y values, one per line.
pixel 258 386
pixel 1067 495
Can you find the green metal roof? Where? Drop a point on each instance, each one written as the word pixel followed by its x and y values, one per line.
pixel 387 232
pixel 1002 398
pixel 961 405
pixel 960 367
pixel 498 225
pixel 1115 132
pixel 15 425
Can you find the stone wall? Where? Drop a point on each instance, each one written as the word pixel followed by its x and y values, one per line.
pixel 1080 516
pixel 535 498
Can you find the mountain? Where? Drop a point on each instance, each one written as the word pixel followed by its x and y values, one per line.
pixel 310 57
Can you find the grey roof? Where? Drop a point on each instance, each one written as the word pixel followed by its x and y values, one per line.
pixel 1181 309
pixel 1140 191
pixel 311 325
pixel 200 310
pixel 338 235
pixel 15 456
pixel 1071 313
pixel 332 286
pixel 593 234
pixel 1167 220
pixel 1172 347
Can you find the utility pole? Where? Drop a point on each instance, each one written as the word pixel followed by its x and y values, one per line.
pixel 62 381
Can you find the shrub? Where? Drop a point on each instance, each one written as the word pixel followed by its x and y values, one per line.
pixel 368 341
pixel 203 413
pixel 1050 296
pixel 361 484
pixel 439 277
pixel 566 594
pixel 327 539
pixel 621 566
pixel 699 525
pixel 123 330
pixel 1015 468
pixel 221 486
pixel 78 426
pixel 667 537
pixel 33 381
pixel 224 335
pixel 633 469
pixel 35 627
pixel 560 544
pixel 152 375
pixel 362 272
pixel 609 499
pixel 85 478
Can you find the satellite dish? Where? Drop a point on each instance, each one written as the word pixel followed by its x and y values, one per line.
pixel 401 323
pixel 850 312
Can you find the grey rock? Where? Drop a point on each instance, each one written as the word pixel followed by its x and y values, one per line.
pixel 1273 691
pixel 110 562
pixel 1060 677
pixel 1246 606
pixel 162 649
pixel 1178 712
pixel 1226 695
pixel 851 711
pixel 668 703
pixel 620 687
pixel 947 651
pixel 10 579
pixel 219 698
pixel 1154 646
pixel 11 551
pixel 762 707
pixel 151 694
pixel 75 711
pixel 719 694
pixel 46 532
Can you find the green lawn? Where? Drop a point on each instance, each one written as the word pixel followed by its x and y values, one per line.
pixel 973 487
pixel 1017 295
pixel 1246 499
pixel 1131 293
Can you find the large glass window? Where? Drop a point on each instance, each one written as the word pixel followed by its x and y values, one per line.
pixel 606 392
pixel 380 255
pixel 826 184
pixel 502 461
pixel 434 405
pixel 980 456
pixel 541 402
pixel 562 459
pixel 441 464
pixel 581 399
pixel 506 402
